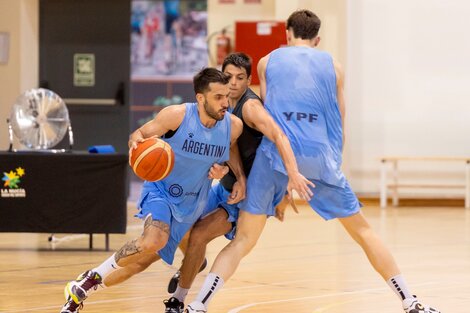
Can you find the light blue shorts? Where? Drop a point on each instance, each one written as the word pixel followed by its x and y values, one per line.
pixel 266 188
pixel 218 196
pixel 160 208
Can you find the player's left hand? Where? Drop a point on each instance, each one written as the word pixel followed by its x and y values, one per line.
pixel 217 171
pixel 238 192
pixel 132 146
pixel 281 209
pixel 301 185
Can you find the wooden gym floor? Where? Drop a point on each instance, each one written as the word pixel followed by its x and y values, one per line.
pixel 301 265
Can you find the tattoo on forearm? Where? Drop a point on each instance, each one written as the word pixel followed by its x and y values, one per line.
pixel 158 224
pixel 128 249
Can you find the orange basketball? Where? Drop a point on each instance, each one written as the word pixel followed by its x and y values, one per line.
pixel 152 160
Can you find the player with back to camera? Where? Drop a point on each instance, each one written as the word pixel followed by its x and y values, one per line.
pixel 302 88
pixel 201 134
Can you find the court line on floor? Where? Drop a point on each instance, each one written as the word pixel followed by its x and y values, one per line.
pixel 344 293
pixel 256 285
pixel 227 290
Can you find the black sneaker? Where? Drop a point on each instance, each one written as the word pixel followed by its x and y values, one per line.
pixel 173 283
pixel 79 289
pixel 173 305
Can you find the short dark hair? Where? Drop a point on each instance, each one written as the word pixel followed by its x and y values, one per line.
pixel 304 23
pixel 240 60
pixel 206 76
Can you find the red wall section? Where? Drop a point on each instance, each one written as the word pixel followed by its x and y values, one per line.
pixel 258 39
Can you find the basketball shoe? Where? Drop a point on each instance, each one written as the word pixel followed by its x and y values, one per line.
pixel 173 305
pixel 71 307
pixel 412 305
pixel 195 307
pixel 173 283
pixel 78 290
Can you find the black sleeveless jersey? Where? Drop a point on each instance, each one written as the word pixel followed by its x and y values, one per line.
pixel 248 141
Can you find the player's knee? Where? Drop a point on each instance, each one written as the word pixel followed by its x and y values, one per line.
pixel 244 243
pixel 152 244
pixel 363 235
pixel 199 237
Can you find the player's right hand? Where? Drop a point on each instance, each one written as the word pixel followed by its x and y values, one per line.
pixel 217 171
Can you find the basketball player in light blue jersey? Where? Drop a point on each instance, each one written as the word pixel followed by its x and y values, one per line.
pixel 201 134
pixel 302 88
pixel 222 216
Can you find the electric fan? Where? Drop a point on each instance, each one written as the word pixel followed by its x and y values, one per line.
pixel 40 120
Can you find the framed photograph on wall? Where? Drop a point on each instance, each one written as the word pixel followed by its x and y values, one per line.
pixel 168 38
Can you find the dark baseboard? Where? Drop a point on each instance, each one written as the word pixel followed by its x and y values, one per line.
pixel 417 202
pixel 409 202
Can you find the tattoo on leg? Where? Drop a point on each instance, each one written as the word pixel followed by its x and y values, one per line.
pixel 158 224
pixel 128 249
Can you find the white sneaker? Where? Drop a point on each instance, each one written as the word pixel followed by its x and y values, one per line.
pixel 196 307
pixel 412 305
pixel 79 289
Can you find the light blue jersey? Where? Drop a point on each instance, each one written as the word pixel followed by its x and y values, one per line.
pixel 301 97
pixel 196 149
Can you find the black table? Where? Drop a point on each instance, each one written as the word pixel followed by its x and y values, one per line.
pixel 63 193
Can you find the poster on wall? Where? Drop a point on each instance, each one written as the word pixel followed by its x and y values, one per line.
pixel 168 38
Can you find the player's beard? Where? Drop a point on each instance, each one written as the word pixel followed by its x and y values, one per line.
pixel 216 115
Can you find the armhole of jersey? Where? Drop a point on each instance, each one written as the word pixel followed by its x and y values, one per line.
pixel 266 69
pixel 171 133
pixel 241 113
pixel 249 95
pixel 229 126
pixel 331 62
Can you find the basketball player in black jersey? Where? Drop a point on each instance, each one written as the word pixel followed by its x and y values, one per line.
pixel 246 105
